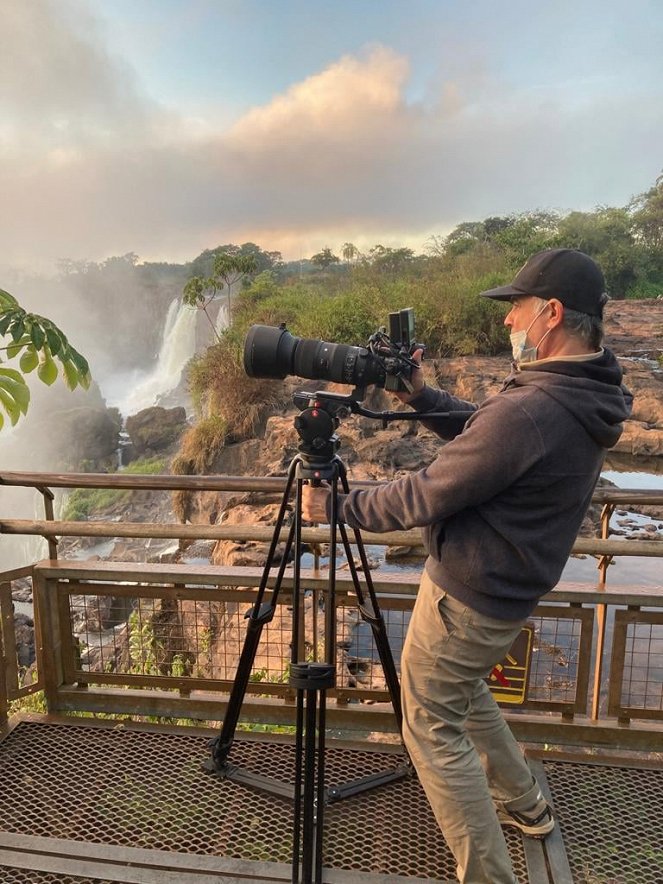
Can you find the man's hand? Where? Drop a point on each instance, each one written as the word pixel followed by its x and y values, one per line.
pixel 416 379
pixel 314 503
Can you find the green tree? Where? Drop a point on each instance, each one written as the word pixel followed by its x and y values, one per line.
pixel 647 213
pixel 525 234
pixel 325 258
pixel 350 252
pixel 39 343
pixel 227 271
pixel 203 265
pixel 390 260
pixel 607 236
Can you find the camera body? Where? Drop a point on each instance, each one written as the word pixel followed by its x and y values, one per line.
pixel 401 335
pixel 386 361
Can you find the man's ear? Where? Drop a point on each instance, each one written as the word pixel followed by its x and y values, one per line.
pixel 556 312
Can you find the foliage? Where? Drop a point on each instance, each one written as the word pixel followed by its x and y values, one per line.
pixel 647 216
pixel 39 343
pixel 151 466
pixel 264 260
pixel 349 251
pixel 146 651
pixel 82 503
pixel 390 261
pixel 227 270
pixel 324 258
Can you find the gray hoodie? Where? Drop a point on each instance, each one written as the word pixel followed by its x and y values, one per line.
pixel 502 503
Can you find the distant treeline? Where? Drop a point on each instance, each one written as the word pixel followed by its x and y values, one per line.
pixel 344 297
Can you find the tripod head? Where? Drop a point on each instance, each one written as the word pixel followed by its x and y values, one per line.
pixel 319 418
pixel 321 413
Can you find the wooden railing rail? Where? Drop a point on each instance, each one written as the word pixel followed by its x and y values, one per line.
pixel 164 530
pixel 137 482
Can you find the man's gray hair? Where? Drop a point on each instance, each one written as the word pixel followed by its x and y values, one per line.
pixel 581 325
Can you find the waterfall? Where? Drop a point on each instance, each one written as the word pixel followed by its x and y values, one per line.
pixel 178 345
pixel 221 318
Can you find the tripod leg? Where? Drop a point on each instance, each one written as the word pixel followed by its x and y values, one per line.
pixel 370 610
pixel 321 788
pixel 260 615
pixel 312 681
pixel 299 774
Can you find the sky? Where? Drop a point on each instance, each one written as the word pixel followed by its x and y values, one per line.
pixel 165 127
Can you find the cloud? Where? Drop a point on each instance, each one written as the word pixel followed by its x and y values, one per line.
pixel 90 166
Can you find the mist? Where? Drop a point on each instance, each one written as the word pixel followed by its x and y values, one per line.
pixel 128 321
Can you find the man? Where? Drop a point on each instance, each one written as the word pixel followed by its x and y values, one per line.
pixel 501 506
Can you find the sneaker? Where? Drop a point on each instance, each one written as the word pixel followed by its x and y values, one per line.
pixel 537 821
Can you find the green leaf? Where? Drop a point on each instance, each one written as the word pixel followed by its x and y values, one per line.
pixel 5 322
pixel 10 405
pixel 29 360
pixel 14 383
pixel 7 301
pixel 79 361
pixel 37 335
pixel 14 349
pixel 55 342
pixel 12 374
pixel 18 330
pixel 47 370
pixel 70 372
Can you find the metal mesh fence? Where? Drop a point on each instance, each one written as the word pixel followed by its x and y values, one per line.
pixel 203 638
pixel 554 668
pixel 642 685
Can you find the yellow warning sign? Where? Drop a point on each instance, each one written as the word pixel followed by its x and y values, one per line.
pixel 508 680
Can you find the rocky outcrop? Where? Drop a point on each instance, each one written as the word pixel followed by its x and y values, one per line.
pixel 86 437
pixel 635 328
pixel 155 429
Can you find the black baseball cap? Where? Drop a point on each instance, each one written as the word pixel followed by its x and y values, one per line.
pixel 572 277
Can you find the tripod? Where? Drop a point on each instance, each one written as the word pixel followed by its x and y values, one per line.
pixel 316 462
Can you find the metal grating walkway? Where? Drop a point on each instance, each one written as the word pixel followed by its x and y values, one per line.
pixel 609 817
pixel 92 801
pixel 144 789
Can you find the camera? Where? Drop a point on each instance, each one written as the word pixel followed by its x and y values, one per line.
pixel 386 360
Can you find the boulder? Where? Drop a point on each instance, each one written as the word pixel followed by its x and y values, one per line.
pixel 155 429
pixel 24 628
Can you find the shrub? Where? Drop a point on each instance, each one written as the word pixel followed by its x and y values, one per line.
pixel 200 446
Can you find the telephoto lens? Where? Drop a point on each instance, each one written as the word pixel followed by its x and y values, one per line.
pixel 272 352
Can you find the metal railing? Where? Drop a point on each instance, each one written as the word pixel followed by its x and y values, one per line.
pixel 164 639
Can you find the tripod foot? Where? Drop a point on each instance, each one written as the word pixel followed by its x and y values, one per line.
pixel 219 768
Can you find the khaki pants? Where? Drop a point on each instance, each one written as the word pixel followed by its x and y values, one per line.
pixel 463 751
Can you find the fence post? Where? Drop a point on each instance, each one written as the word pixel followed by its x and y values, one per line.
pixel 4 702
pixel 601 613
pixel 50 517
pixel 44 593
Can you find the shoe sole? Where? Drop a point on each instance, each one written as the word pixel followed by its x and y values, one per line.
pixel 539 832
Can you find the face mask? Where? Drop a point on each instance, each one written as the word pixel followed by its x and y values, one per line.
pixel 521 352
